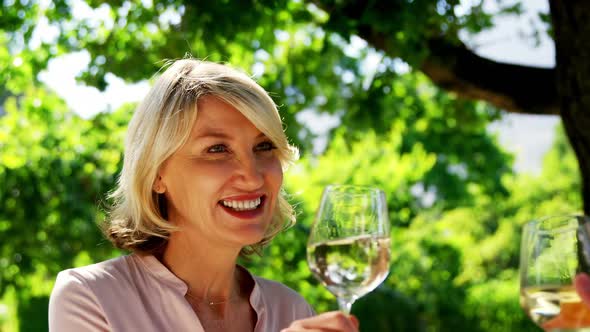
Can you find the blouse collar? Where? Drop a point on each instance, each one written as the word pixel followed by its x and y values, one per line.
pixel 163 274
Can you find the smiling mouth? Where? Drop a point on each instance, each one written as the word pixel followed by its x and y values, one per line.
pixel 243 205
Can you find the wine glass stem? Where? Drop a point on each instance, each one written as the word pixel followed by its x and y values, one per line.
pixel 345 305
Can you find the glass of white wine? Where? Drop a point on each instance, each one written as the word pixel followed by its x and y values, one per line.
pixel 349 242
pixel 554 253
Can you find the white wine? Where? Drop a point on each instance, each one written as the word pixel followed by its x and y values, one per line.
pixel 350 267
pixel 555 307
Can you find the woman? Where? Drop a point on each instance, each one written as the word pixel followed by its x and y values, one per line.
pixel 200 186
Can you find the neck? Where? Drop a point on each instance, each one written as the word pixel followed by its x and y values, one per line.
pixel 210 273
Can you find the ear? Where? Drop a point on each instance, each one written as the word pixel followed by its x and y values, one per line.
pixel 159 186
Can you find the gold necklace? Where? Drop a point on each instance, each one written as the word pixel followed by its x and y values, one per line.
pixel 236 294
pixel 211 302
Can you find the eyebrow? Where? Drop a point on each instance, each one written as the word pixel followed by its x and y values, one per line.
pixel 217 133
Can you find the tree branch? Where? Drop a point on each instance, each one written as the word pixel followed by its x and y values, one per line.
pixel 453 67
pixel 514 88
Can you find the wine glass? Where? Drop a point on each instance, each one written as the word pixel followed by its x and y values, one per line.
pixel 349 245
pixel 554 252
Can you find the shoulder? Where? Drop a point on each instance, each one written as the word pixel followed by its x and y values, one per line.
pixel 98 279
pixel 91 274
pixel 279 294
pixel 86 276
pixel 74 305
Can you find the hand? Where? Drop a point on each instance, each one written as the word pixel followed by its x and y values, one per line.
pixel 582 285
pixel 333 321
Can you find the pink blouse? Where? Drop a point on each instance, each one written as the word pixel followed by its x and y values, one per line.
pixel 138 293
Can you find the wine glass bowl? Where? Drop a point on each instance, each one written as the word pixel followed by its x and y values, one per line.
pixel 553 252
pixel 349 243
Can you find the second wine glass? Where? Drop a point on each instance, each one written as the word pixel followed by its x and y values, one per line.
pixel 349 243
pixel 554 254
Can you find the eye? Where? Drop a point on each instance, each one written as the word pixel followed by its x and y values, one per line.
pixel 265 146
pixel 217 148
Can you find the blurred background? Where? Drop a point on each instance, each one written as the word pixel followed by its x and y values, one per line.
pixel 461 175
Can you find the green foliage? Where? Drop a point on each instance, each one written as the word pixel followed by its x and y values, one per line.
pixel 36 306
pixel 54 170
pixel 468 159
pixel 9 320
pixel 472 273
pixel 367 160
pixel 494 306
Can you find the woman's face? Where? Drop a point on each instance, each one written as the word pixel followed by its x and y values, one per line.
pixel 223 184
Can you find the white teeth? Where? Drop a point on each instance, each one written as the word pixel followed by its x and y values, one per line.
pixel 242 205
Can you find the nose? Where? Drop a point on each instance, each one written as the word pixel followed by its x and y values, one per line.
pixel 249 173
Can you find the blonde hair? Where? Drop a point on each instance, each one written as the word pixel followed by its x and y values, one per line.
pixel 161 125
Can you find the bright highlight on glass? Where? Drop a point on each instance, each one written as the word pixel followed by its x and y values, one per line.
pixel 349 244
pixel 554 252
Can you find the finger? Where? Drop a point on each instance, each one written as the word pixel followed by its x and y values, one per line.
pixel 582 285
pixel 334 320
pixel 303 326
pixel 300 325
pixel 354 321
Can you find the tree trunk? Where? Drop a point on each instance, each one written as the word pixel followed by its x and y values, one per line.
pixel 571 24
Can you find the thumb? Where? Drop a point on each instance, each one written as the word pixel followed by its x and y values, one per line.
pixel 355 320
